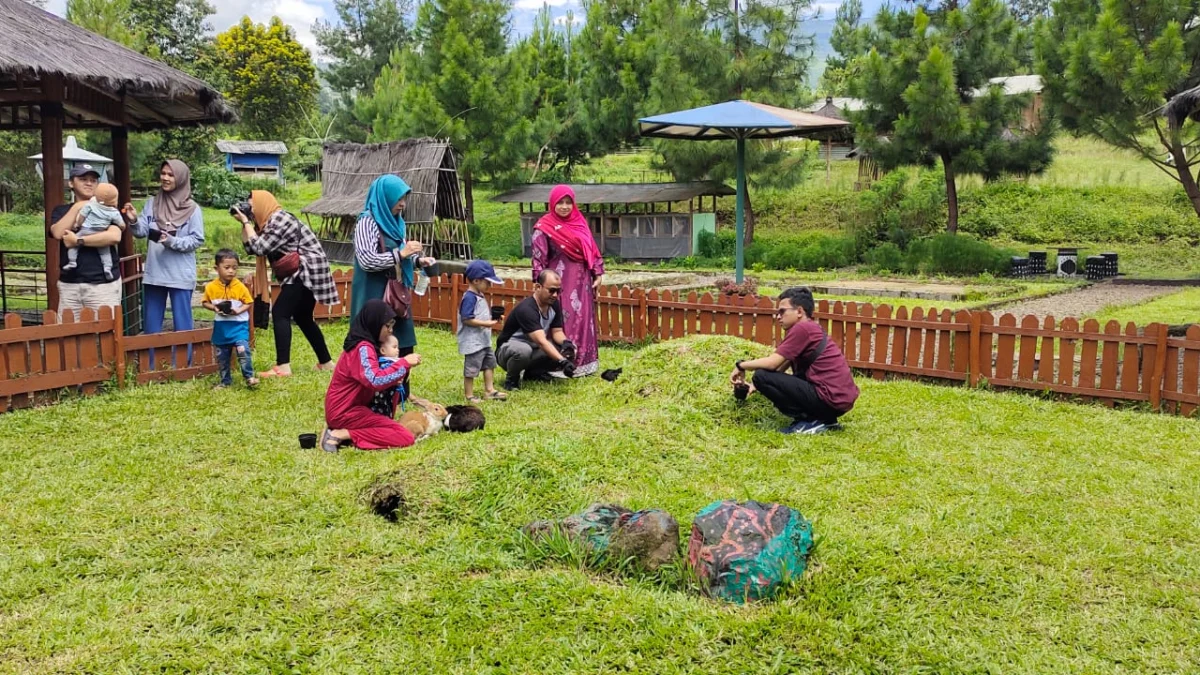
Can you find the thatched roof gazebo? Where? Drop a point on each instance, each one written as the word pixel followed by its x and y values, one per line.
pixel 429 167
pixel 55 75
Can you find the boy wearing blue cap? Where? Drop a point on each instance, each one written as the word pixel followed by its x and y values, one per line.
pixel 475 322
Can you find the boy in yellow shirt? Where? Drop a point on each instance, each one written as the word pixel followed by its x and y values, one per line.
pixel 231 300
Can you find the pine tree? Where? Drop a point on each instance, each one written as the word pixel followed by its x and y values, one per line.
pixel 459 83
pixel 850 41
pixel 1108 68
pixel 360 43
pixel 109 19
pixel 559 125
pixel 928 98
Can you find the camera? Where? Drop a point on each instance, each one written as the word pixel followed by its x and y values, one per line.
pixel 244 207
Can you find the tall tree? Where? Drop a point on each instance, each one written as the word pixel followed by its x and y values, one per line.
pixel 459 83
pixel 928 96
pixel 109 19
pixel 360 43
pixel 850 41
pixel 614 74
pixel 1108 68
pixel 1028 11
pixel 175 32
pixel 270 76
pixel 559 125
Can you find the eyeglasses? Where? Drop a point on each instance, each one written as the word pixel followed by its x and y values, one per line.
pixel 552 291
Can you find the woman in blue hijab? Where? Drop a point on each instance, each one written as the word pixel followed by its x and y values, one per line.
pixel 380 242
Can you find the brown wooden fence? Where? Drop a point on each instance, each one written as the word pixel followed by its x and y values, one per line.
pixel 1109 364
pixel 38 363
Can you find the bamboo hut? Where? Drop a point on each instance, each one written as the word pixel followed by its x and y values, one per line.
pixel 55 75
pixel 435 213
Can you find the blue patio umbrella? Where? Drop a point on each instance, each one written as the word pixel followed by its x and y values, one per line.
pixel 738 120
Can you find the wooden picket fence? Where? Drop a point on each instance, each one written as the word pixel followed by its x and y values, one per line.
pixel 1111 364
pixel 68 354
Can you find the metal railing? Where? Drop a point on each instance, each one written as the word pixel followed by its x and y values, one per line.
pixel 23 284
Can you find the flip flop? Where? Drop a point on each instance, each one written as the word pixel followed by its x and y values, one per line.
pixel 497 396
pixel 474 399
pixel 329 443
pixel 273 372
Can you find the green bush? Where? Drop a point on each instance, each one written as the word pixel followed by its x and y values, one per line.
pixel 213 186
pixel 898 211
pixel 886 257
pixel 956 254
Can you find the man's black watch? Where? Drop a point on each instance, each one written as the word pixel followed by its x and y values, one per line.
pixel 738 365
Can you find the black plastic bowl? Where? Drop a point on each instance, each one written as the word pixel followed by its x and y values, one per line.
pixel 741 391
pixel 308 441
pixel 497 312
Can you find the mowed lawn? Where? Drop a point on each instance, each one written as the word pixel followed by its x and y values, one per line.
pixel 176 529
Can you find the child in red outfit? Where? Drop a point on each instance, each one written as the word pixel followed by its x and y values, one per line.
pixel 357 378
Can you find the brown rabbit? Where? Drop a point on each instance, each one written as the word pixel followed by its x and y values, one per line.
pixel 425 422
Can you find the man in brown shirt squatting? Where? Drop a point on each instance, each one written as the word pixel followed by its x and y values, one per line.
pixel 820 388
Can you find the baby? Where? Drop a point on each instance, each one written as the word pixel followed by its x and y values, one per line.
pixel 95 217
pixel 385 401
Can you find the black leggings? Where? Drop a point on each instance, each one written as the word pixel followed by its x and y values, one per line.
pixel 794 396
pixel 296 304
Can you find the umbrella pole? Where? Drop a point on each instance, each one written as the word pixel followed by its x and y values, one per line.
pixel 741 208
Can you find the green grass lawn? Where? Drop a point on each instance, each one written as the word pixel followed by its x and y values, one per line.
pixel 1176 308
pixel 958 531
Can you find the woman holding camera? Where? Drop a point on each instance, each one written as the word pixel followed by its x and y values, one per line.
pixel 175 227
pixel 297 255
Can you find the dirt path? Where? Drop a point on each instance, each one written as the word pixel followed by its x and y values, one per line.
pixel 1086 301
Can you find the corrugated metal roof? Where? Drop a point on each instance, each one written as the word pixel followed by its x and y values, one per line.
pixel 252 147
pixel 619 193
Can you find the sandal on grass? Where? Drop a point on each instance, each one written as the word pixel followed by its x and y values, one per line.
pixel 329 442
pixel 474 399
pixel 497 396
pixel 274 372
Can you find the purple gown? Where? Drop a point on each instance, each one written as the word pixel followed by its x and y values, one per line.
pixel 578 300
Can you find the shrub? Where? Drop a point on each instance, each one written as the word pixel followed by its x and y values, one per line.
pixel 213 186
pixel 749 286
pixel 893 210
pixel 956 254
pixel 886 257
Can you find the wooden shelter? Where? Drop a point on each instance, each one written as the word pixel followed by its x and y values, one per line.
pixel 434 213
pixel 55 75
pixel 631 221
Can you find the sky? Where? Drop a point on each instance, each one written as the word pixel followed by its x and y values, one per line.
pixel 301 14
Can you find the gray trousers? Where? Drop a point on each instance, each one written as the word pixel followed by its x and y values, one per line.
pixel 518 356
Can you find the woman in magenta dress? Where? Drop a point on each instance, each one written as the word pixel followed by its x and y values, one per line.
pixel 562 241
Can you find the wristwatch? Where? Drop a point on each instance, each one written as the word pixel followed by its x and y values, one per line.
pixel 738 365
pixel 78 241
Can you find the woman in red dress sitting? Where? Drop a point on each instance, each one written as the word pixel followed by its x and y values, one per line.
pixel 357 377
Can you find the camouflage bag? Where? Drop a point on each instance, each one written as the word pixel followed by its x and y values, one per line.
pixel 649 536
pixel 748 551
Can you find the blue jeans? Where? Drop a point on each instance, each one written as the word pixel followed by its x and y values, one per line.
pixel 225 356
pixel 156 310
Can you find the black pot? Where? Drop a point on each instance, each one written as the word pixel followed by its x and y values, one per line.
pixel 741 391
pixel 308 441
pixel 497 312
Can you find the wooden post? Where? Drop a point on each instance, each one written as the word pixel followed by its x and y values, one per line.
pixel 119 346
pixel 639 320
pixel 455 300
pixel 828 158
pixel 975 365
pixel 52 173
pixel 1160 367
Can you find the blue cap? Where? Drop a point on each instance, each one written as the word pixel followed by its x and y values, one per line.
pixel 482 269
pixel 83 170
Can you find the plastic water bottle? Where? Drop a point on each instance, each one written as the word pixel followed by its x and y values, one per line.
pixel 421 283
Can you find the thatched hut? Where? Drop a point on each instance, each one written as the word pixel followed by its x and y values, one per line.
pixel 55 75
pixel 435 213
